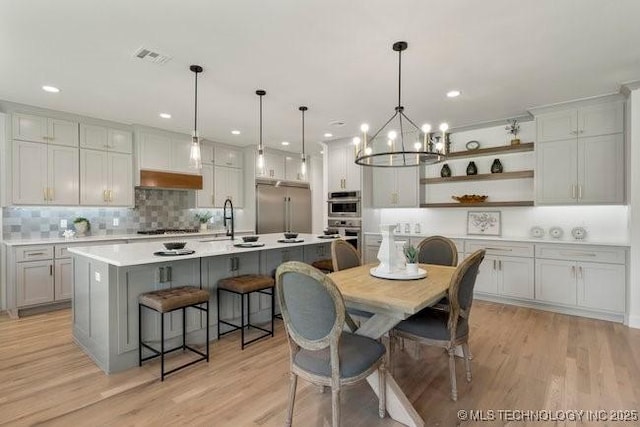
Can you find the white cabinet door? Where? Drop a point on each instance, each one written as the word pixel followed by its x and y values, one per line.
pixel 204 197
pixel 515 278
pixel 120 168
pixel 406 181
pixel 63 289
pixel 30 128
pixel 601 119
pixel 63 132
pixel 555 126
pixel 94 137
pixel 29 173
pixel 556 281
pixel 34 282
pixel 236 189
pixel 601 169
pixel 224 156
pixel 601 286
pixel 120 141
pixel 64 175
pixel 273 166
pixel 487 281
pixel 94 177
pixel 206 152
pixel 556 172
pixel 292 168
pixel 180 153
pixel 155 151
pixel 384 187
pixel 228 183
pixel 337 176
pixel 352 170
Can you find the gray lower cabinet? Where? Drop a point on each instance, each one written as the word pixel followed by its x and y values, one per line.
pixel 63 279
pixel 274 257
pixel 34 282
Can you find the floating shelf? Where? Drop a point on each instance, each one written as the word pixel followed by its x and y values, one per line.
pixel 506 149
pixel 477 205
pixel 481 177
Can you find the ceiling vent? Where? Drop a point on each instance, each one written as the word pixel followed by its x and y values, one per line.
pixel 151 56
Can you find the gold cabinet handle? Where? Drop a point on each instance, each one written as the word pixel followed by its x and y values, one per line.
pixel 44 194
pixel 111 195
pixel 104 195
pixel 579 192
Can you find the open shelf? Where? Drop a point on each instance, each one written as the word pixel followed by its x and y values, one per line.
pixel 481 177
pixel 506 149
pixel 477 205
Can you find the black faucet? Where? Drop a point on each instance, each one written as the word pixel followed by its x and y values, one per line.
pixel 226 217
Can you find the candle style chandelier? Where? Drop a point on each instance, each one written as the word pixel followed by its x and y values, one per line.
pixel 388 148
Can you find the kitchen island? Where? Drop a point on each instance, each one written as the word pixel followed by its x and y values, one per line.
pixel 108 280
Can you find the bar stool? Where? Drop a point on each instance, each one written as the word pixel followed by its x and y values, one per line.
pixel 166 301
pixel 242 285
pixel 324 265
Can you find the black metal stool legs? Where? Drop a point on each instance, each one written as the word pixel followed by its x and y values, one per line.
pixel 247 324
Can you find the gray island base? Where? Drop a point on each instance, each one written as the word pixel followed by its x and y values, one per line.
pixel 108 280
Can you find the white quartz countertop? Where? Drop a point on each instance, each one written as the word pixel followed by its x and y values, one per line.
pixel 111 237
pixel 122 255
pixel 564 241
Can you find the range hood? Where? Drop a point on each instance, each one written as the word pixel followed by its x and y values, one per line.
pixel 170 180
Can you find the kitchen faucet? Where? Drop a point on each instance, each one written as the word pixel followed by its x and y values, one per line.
pixel 226 217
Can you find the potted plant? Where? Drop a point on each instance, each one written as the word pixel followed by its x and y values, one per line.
pixel 82 225
pixel 513 128
pixel 411 254
pixel 203 218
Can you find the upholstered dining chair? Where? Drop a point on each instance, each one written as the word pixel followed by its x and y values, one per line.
pixel 441 251
pixel 447 329
pixel 321 351
pixel 344 255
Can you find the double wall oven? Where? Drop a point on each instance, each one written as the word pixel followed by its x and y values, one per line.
pixel 344 215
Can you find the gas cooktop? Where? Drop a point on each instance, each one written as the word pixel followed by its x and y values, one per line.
pixel 169 231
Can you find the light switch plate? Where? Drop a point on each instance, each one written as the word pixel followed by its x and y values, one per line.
pixel 116 222
pixel 63 223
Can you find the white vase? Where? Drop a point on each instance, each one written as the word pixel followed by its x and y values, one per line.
pixel 81 227
pixel 388 252
pixel 400 260
pixel 411 268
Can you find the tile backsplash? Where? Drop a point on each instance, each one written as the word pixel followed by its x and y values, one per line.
pixel 153 209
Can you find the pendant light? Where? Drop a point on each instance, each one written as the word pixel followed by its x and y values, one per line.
pixel 260 161
pixel 303 164
pixel 388 149
pixel 195 157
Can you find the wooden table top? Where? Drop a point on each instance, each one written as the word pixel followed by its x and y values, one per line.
pixel 404 297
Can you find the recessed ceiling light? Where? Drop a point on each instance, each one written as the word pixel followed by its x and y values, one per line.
pixel 285 143
pixel 235 132
pixel 453 93
pixel 328 135
pixel 51 89
pixel 165 115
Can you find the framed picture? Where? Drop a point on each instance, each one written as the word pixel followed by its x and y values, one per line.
pixel 485 223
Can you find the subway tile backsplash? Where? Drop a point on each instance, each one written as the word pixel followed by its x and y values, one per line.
pixel 153 209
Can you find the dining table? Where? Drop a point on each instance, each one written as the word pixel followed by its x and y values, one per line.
pixel 391 301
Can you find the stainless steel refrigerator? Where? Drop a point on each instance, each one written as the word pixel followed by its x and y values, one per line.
pixel 282 208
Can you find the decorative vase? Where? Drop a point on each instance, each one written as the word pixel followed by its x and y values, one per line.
pixel 496 166
pixel 472 169
pixel 411 268
pixel 81 227
pixel 445 172
pixel 515 141
pixel 400 260
pixel 203 226
pixel 387 253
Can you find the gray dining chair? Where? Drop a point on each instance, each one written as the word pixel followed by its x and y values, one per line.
pixel 344 255
pixel 321 351
pixel 440 251
pixel 447 329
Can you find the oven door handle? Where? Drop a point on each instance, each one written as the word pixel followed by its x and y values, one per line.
pixel 343 201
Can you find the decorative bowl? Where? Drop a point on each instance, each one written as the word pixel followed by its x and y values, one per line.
pixel 290 235
pixel 172 246
pixel 470 198
pixel 330 231
pixel 250 239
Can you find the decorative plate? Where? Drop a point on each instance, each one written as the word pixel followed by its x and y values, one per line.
pixel 473 145
pixel 556 232
pixel 470 198
pixel 537 232
pixel 579 233
pixel 398 275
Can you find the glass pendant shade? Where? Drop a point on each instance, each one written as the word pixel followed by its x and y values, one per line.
pixel 195 156
pixel 260 159
pixel 303 157
pixel 399 142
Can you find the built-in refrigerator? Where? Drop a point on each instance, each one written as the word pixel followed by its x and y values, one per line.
pixel 283 207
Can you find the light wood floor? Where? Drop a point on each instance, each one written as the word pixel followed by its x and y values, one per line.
pixel 523 359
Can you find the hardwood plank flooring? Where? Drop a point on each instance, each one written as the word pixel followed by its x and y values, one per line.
pixel 522 359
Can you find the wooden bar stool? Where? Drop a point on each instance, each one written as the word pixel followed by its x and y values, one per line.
pixel 166 301
pixel 246 284
pixel 324 265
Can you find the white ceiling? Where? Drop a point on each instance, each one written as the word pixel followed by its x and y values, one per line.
pixel 333 55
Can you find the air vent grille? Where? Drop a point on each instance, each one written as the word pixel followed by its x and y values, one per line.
pixel 150 55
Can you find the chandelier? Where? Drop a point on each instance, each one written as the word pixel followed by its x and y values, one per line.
pixel 400 142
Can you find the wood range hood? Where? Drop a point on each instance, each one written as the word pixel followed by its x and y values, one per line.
pixel 170 180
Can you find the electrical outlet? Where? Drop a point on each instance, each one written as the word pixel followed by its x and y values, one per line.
pixel 116 222
pixel 98 278
pixel 63 223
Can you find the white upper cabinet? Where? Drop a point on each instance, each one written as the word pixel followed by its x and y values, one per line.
pixel 63 173
pixel 206 152
pixel 205 197
pixel 225 156
pixel 102 138
pixel 580 155
pixel 31 128
pixel 180 154
pixel 154 151
pixel 293 168
pixel 94 177
pixel 273 166
pixel 228 184
pixel 120 180
pixel 344 174
pixel 395 187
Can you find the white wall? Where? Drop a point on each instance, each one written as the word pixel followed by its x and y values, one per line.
pixel 318 203
pixel 633 297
